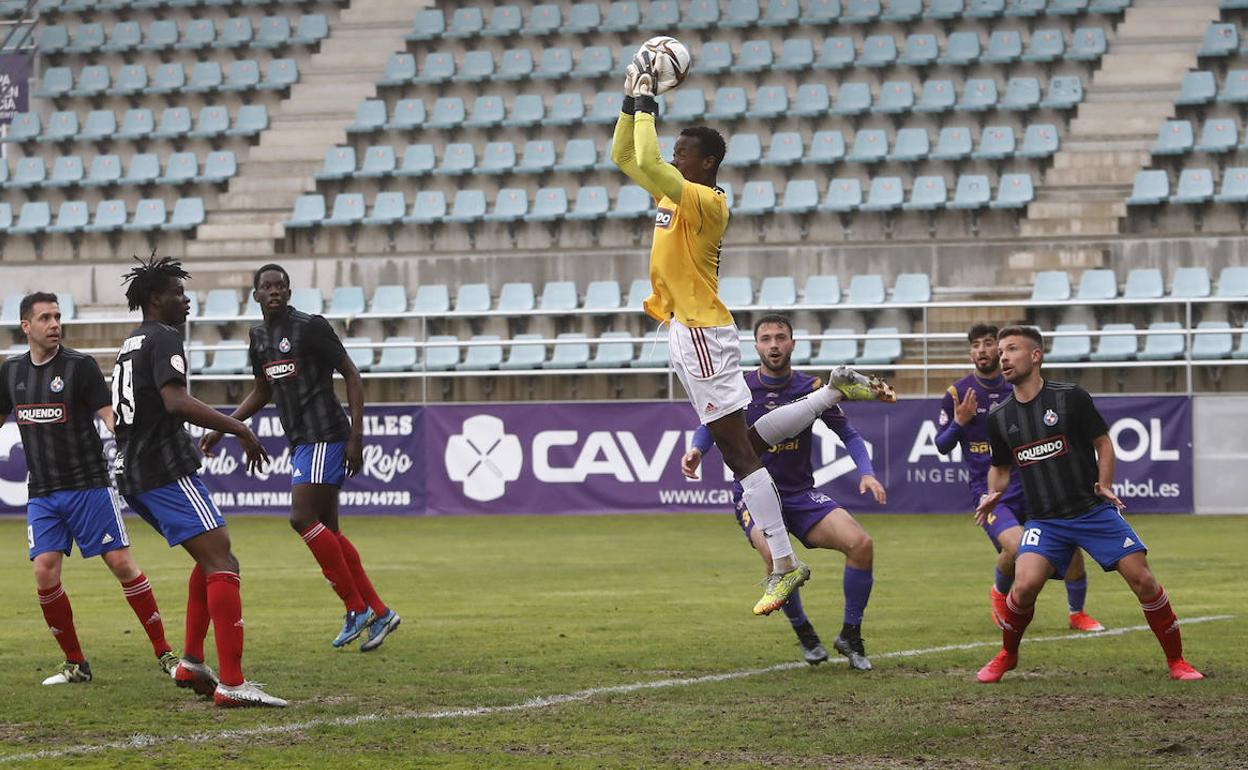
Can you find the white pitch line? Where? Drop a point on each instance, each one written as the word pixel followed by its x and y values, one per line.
pixel 143 741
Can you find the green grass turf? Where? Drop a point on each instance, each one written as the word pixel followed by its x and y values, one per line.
pixel 500 610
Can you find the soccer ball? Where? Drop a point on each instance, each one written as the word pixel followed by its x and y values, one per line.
pixel 671 61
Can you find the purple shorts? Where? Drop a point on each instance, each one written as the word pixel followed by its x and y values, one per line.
pixel 999 521
pixel 801 512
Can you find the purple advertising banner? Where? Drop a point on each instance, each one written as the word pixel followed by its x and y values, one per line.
pixel 624 457
pixel 14 85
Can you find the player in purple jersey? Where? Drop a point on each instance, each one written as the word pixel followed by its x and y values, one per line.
pixel 816 519
pixel 964 422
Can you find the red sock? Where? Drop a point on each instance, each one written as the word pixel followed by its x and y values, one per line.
pixel 1164 624
pixel 362 582
pixel 324 546
pixel 1015 622
pixel 139 593
pixel 197 616
pixel 225 605
pixel 60 618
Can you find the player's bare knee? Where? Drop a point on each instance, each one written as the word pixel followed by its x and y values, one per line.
pixel 47 571
pixel 301 520
pixel 861 552
pixel 122 565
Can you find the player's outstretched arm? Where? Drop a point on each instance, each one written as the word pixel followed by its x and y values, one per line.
pixel 260 395
pixel 182 404
pixel 623 154
pixel 957 414
pixel 663 175
pixel 355 403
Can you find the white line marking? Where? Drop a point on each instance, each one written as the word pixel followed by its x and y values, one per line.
pixel 143 741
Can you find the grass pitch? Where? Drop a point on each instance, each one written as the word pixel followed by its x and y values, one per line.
pixel 500 611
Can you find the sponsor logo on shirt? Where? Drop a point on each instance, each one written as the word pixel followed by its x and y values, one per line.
pixel 1050 417
pixel 40 414
pixel 1043 449
pixel 277 370
pixel 284 345
pixel 664 218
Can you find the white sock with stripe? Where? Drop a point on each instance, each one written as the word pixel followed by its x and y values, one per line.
pixel 762 500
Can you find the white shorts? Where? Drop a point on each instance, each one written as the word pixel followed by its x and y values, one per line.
pixel 708 362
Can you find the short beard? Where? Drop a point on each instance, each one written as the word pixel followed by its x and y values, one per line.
pixel 766 364
pixel 993 369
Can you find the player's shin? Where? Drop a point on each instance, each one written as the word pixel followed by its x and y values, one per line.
pixel 225 605
pixel 1014 623
pixel 60 619
pixel 758 490
pixel 1165 624
pixel 197 617
pixel 139 594
pixel 362 583
pixel 327 551
pixel 856 585
pixel 788 420
pixel 794 611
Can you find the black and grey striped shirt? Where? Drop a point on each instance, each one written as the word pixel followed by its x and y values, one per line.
pixel 55 403
pixel 1049 439
pixel 297 354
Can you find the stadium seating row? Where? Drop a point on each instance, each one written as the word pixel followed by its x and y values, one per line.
pixel 112 215
pixel 961 49
pixel 139 123
pixel 1141 283
pixel 96 80
pixel 106 170
pixel 551 204
pixel 272 32
pixel 1217 136
pixel 1195 186
pixel 663 16
pixel 1199 88
pixel 729 103
pixel 53 7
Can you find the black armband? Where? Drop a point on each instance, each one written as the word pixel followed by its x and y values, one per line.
pixel 629 107
pixel 646 104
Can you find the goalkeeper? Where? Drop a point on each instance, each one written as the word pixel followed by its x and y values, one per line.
pixel 704 346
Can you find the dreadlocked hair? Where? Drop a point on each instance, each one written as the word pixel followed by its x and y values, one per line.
pixel 148 276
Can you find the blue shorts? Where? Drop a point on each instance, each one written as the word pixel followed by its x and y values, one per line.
pixel 1002 518
pixel 801 511
pixel 1102 532
pixel 179 511
pixel 89 517
pixel 319 463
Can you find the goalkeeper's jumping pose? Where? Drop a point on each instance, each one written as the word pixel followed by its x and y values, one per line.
pixel 704 345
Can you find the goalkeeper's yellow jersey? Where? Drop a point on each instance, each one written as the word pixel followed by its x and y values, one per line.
pixel 684 261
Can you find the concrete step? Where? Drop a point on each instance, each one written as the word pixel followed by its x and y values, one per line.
pixel 1041 228
pixel 1042 210
pixel 261 249
pixel 235 217
pixel 1067 158
pixel 1091 176
pixel 310 152
pixel 281 201
pixel 1140 125
pixel 1143 68
pixel 267 182
pixel 1059 259
pixel 298 133
pixel 228 232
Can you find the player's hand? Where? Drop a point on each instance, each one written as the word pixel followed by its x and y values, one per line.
pixel 257 457
pixel 644 83
pixel 964 410
pixel 987 504
pixel 630 80
pixel 872 484
pixel 1108 494
pixel 209 441
pixel 690 462
pixel 355 454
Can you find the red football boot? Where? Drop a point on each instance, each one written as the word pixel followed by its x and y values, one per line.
pixel 1183 671
pixel 1082 621
pixel 997 667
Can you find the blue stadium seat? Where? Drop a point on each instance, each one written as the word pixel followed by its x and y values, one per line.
pixel 219 167
pixel 1198 88
pixel 661 16
pixel 777 292
pixel 251 120
pixel 279 75
pixel 886 194
pixel 571 352
pixel 896 98
pixel 844 195
pixel 755 56
pixel 71 217
pixel 360 350
pixel 836 352
pixel 515 64
pixel 36 217
pixel 853 98
pixel 1021 94
pixel 700 14
pixel 903 11
pixel 29 172
pixel 236 32
pixel 53 38
pixel 370 115
pixel 418 160
pixel 878 52
pixel 801 196
pixel 979 95
pixel 56 81
pixel 943 10
pixel 780 13
pixel 612 355
pixel 408 114
pixel 62 127
pixel 437 67
pixel 483 357
pixel 796 55
pixel 995 143
pixel 497 158
pixel 728 103
pixel 743 150
pixel 457 158
pixel 1066 7
pixel 1234 186
pixel 880 348
pixel 399 70
pixel 206 76
pixel 786 149
pixel 429 25
pixel 1097 285
pixel 1051 286
pixel 517 297
pixel 1220 40
pixel 1065 92
pixel 539 156
pixel 736 291
pixel 631 202
pixel 937 96
pixel 1143 283
pixel 836 53
pixel 1219 135
pixel 604 109
pixel 910 145
pixel 160 35
pixel 985 9
pixel 131 80
pixel 168 79
pixel 1195 186
pixel 99 125
pixel 213 121
pixel 595 61
pixel 526 110
pixel 448 112
pixel 389 208
pixel 339 163
pixel 603 295
pixel 487 112
pixel 550 204
pixel 1065 350
pixel 1046 45
pixel 428 207
pixel 1233 282
pixel 228 361
pixel 105 170
pixel 870 146
pixel 1164 347
pixel 469 207
pixel 811 101
pixel 24 127
pixel 378 161
pixel 1152 186
pixel 521 357
pixel 961 49
pixel 1086 44
pixel 913 288
pixel 476 66
pixel 1208 347
pixel 432 298
pixel 346 301
pixel 1014 191
pixel 466 22
pixel 821 12
pixel 1190 282
pixel 309 211
pixel 566 109
pixel 505 20
pixel 272 33
pixel 181 168
pixel 110 215
pixel 149 215
pixel 861 11
pixel 1118 342
pixel 919 50
pixel 1174 138
pixel 1234 87
pixel 88 38
pixel 953 143
pixel 93 80
pixel 591 203
pixel 388 299
pixel 199 34
pixel 348 210
pixel 769 102
pixel 400 358
pixel 188 214
pixel 927 194
pixel 741 13
pixel 1040 141
pixel 757 198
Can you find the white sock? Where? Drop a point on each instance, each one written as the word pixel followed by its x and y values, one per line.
pixel 762 500
pixel 785 422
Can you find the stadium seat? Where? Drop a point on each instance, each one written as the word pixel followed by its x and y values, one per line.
pixel 188 214
pixel 236 32
pixel 602 295
pixel 24 127
pixel 860 11
pixel 428 207
pixel 272 33
pixel 566 109
pixel 852 99
pixel 910 145
pixel 1164 347
pixel 1143 283
pixel 886 194
pixel 544 19
pixel 777 292
pixel 110 215
pixel 1219 135
pixel 896 98
pixel 937 96
pixel 1234 186
pixel 919 50
pixel 93 80
pixel 943 10
pixel 168 79
pixel 35 218
pixel 769 102
pixel 432 299
pixel 912 288
pixel 736 291
pixel 631 202
pixel 429 24
pixel 811 101
pixel 995 143
pixel 88 38
pixel 953 143
pixel 801 196
pixel 505 20
pixel 524 356
pixel 686 106
pixel 181 168
pixel 399 70
pixel 1195 186
pixel 973 191
pixel 458 158
pixel 526 110
pixel 370 115
pixel 1046 45
pixel 1197 88
pixel 1209 347
pixel 961 49
pixel 757 198
pixel 279 75
pixel 583 18
pixel 131 80
pixel 149 215
pixel 481 357
pixel 1086 44
pixel 400 358
pixel 570 352
pixel 62 127
pixel 348 210
pixel 1004 47
pixel 880 348
pixel 1097 286
pixel 743 150
pixel 1065 92
pixel 661 16
pixel 592 202
pixel 71 217
pixel 550 204
pixel 487 112
pixel 928 193
pixel 510 205
pixel 1021 94
pixel 360 350
pixel 466 22
pixel 796 55
pixel 53 39
pixel 212 122
pixel 339 163
pixel 475 67
pixel 980 95
pixel 638 290
pixel 870 146
pixel 727 104
pixel 1040 141
pixel 228 361
pixel 1190 282
pixel 437 67
pixel 836 352
pixel 1065 350
pixel 388 299
pixel 309 211
pixel 755 56
pixel 29 172
pixel 408 115
pixel 843 195
pixel 389 208
pixel 206 76
pixel 1233 282
pixel 1014 191
pixel 1152 186
pixel 160 35
pixel 836 53
pixel 199 34
pixel 346 301
pixel 1220 40
pixel 866 289
pixel 105 170
pixel 878 51
pixel 612 355
pixel 1051 286
pixel 99 125
pixel 595 61
pixel 497 158
pixel 819 12
pixel 251 120
pixel 786 149
pixel 469 207
pixel 56 82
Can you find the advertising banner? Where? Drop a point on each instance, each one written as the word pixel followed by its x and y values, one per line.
pixel 14 85
pixel 624 457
